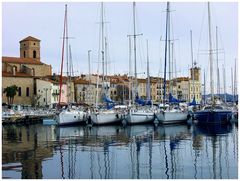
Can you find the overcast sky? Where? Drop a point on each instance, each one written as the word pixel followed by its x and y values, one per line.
pixel 45 21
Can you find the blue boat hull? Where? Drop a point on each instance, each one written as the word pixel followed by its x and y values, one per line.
pixel 213 117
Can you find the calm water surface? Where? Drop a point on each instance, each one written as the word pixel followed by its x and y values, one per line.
pixel 141 151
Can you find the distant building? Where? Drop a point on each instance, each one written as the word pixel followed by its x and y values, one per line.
pixel 85 92
pixel 47 92
pixel 37 86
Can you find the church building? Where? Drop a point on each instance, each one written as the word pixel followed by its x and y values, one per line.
pixel 22 71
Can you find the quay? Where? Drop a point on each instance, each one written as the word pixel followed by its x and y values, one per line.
pixel 25 119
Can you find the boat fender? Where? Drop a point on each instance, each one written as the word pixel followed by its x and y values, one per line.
pixel 117 116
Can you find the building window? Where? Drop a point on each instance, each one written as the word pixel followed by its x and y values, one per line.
pixel 19 91
pixel 24 53
pixel 27 91
pixel 34 54
pixel 43 99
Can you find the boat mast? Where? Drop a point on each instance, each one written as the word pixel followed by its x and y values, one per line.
pixel 105 61
pixel 68 68
pixel 232 84
pixel 165 58
pixel 102 51
pixel 224 84
pixel 71 73
pixel 130 72
pixel 204 87
pixel 89 75
pixel 148 77
pixel 218 77
pixel 235 80
pixel 63 46
pixel 172 77
pixel 169 52
pixel 193 78
pixel 210 54
pixel 135 50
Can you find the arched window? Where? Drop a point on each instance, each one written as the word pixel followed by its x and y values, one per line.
pixel 24 54
pixel 34 54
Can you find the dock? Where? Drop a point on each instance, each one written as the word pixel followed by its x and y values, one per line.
pixel 25 119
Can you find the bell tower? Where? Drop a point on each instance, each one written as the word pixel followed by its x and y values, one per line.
pixel 195 73
pixel 30 48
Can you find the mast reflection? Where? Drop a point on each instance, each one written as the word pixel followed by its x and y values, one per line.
pixel 106 152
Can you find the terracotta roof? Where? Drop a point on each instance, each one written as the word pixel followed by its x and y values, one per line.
pixel 30 38
pixel 182 79
pixel 18 74
pixel 153 81
pixel 141 80
pixel 21 60
pixel 81 81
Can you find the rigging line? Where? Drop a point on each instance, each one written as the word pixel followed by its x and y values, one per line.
pixel 63 43
pixel 141 53
pixel 203 17
pixel 160 59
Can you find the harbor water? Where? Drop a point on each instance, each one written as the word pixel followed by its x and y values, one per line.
pixel 116 152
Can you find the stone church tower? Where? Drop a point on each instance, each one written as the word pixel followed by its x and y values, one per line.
pixel 196 73
pixel 30 48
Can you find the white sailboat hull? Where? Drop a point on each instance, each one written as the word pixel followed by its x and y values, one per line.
pixel 105 118
pixel 71 117
pixel 139 117
pixel 167 117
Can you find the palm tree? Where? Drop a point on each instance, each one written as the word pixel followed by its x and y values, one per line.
pixel 10 93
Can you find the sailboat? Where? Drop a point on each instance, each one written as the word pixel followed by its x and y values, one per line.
pixel 104 116
pixel 212 114
pixel 169 114
pixel 68 116
pixel 138 115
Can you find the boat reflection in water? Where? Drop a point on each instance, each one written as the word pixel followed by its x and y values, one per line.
pixel 216 149
pixel 116 152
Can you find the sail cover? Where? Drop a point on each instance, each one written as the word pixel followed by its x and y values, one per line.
pixel 142 101
pixel 193 103
pixel 107 99
pixel 172 99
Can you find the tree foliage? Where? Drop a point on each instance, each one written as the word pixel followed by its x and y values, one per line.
pixel 10 92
